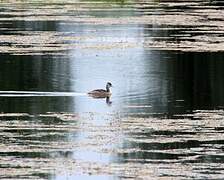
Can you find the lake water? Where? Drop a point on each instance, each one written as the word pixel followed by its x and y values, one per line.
pixel 165 116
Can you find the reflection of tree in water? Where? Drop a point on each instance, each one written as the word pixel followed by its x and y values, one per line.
pixel 36 140
pixel 34 73
pixel 190 80
pixel 193 79
pixel 180 140
pixel 153 150
pixel 197 79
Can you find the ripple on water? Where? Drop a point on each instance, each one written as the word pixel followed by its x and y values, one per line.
pixel 101 145
pixel 53 144
pixel 187 26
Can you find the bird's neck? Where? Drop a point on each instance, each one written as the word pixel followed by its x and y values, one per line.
pixel 107 89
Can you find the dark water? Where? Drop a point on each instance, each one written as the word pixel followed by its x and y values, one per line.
pixel 164 118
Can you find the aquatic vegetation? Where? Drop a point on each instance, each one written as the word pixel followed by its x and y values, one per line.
pixel 48 144
pixel 51 45
pixel 193 19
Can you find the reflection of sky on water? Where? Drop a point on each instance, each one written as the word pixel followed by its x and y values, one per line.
pixel 138 76
pixel 92 68
pixel 87 155
pixel 133 72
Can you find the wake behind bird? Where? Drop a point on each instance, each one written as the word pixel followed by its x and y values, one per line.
pixel 38 93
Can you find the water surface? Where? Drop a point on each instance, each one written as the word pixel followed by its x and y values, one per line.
pixel 164 118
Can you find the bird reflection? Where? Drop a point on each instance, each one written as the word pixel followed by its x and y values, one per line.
pixel 108 101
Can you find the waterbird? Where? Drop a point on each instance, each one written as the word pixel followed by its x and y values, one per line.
pixel 101 93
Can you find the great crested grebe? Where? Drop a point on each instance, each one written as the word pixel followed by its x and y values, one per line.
pixel 101 93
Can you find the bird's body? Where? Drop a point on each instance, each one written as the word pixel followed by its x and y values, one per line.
pixel 101 93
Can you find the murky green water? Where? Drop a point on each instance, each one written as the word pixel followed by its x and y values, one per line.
pixel 165 116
